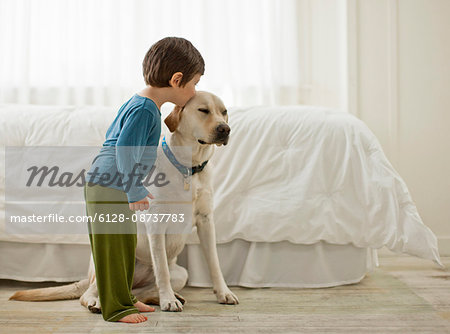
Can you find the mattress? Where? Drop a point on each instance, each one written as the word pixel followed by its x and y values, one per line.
pixel 248 264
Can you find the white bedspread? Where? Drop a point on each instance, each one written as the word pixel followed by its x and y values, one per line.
pixel 300 174
pixel 305 174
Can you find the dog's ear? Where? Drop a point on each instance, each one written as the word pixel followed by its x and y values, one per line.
pixel 173 119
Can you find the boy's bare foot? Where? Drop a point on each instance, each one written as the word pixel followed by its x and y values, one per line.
pixel 144 308
pixel 133 318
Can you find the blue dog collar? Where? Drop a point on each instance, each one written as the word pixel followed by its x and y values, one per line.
pixel 186 171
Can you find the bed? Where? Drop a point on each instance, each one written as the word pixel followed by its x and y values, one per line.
pixel 307 199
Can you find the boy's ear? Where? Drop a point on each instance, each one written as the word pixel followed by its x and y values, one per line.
pixel 173 119
pixel 175 81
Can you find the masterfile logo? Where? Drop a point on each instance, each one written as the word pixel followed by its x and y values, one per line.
pixel 45 190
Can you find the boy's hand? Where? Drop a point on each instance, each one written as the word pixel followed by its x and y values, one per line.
pixel 142 204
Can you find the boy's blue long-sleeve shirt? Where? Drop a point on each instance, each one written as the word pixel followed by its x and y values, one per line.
pixel 130 147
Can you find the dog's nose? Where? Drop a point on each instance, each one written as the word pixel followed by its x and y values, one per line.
pixel 223 129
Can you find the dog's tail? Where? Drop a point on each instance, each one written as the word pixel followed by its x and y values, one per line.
pixel 70 291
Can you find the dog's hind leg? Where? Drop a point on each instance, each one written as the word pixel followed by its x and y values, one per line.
pixel 147 294
pixel 150 294
pixel 90 299
pixel 178 276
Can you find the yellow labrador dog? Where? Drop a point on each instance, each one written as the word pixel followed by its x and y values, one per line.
pixel 200 125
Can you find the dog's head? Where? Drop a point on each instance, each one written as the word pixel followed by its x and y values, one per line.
pixel 204 117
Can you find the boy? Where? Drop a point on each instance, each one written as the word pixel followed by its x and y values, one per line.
pixel 171 68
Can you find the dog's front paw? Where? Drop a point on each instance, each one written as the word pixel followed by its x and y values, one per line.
pixel 225 296
pixel 180 298
pixel 171 304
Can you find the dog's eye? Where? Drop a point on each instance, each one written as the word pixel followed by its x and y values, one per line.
pixel 206 111
pixel 224 112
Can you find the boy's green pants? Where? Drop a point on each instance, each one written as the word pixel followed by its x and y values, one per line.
pixel 113 253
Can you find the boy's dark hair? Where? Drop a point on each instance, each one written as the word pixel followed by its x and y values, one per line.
pixel 168 56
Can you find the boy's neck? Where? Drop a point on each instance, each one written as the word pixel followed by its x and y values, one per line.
pixel 159 95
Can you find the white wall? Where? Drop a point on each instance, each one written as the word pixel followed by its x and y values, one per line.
pixel 401 89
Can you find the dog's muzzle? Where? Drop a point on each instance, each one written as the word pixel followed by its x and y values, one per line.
pixel 222 134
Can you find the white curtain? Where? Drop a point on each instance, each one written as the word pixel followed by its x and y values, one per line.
pixel 89 52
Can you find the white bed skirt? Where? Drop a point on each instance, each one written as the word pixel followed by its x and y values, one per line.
pixel 281 264
pixel 248 264
pixel 38 262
